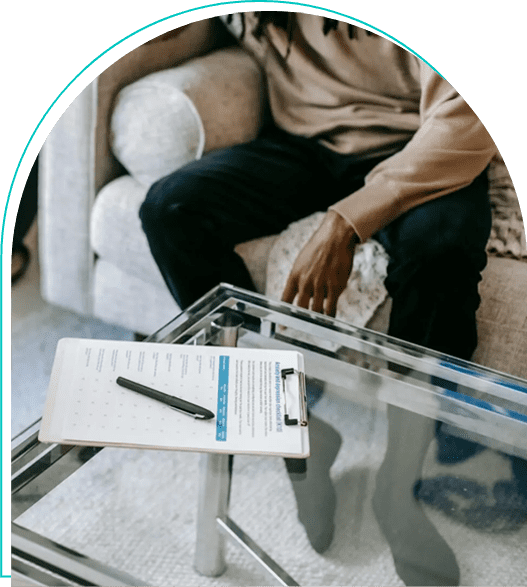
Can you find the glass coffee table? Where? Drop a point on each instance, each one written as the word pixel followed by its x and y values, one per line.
pixel 90 516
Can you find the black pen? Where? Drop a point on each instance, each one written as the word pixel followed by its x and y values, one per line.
pixel 174 402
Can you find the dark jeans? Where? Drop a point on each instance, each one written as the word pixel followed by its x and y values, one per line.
pixel 194 217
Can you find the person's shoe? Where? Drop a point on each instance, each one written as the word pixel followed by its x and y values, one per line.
pixel 315 495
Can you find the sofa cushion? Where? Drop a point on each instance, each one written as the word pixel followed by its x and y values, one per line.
pixel 116 233
pixel 173 116
pixel 156 130
pixel 502 317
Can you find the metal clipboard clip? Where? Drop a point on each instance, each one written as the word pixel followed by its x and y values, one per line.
pixel 302 420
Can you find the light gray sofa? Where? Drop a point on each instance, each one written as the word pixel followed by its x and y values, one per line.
pixel 169 101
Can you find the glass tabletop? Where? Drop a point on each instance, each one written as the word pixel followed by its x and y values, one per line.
pixel 485 404
pixel 425 481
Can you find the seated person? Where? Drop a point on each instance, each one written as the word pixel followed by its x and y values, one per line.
pixel 364 130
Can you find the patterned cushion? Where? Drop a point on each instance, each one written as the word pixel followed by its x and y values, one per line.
pixel 507 237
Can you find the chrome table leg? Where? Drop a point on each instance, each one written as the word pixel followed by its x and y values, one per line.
pixel 215 479
pixel 213 503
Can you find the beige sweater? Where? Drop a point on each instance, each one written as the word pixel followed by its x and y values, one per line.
pixel 368 96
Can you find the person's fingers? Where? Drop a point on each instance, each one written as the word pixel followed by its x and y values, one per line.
pixel 290 290
pixel 317 303
pixel 304 296
pixel 331 304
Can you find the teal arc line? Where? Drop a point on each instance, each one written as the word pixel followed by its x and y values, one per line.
pixel 168 18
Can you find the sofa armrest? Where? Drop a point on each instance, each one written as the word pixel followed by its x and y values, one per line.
pixel 66 193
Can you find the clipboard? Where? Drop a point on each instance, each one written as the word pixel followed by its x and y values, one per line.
pixel 246 390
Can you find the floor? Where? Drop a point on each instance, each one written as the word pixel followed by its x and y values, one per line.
pixel 101 511
pixel 36 327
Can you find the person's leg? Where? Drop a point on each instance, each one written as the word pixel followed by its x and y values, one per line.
pixel 437 253
pixel 194 217
pixel 314 492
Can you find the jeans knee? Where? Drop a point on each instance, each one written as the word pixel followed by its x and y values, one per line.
pixel 162 206
pixel 451 226
pixel 447 238
pixel 152 208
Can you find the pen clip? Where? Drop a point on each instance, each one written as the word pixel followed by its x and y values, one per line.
pixel 192 414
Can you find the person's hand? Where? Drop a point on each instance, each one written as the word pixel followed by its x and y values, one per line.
pixel 322 269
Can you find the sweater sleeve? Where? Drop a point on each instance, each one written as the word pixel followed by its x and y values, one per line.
pixel 448 151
